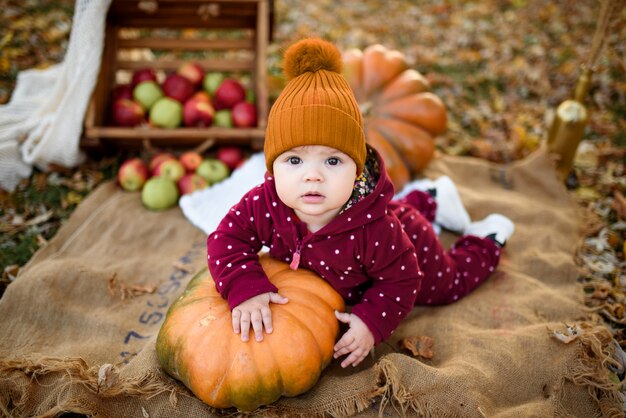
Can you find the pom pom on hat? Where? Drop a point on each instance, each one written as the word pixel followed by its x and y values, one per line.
pixel 311 55
pixel 316 107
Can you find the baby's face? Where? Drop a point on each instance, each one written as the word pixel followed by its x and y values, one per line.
pixel 315 181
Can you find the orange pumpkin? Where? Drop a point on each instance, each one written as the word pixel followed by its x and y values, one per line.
pixel 197 345
pixel 401 116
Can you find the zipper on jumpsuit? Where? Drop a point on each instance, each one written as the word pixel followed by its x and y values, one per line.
pixel 295 262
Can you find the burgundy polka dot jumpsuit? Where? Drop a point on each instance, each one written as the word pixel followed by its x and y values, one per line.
pixel 381 255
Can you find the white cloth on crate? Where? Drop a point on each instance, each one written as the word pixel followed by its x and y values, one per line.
pixel 43 121
pixel 206 208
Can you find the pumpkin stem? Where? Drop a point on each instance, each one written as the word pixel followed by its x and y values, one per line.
pixel 366 108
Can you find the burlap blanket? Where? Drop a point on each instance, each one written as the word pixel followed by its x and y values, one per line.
pixel 78 326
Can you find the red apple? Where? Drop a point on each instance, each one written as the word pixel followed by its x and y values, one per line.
pixel 228 94
pixel 122 91
pixel 132 174
pixel 198 112
pixel 244 115
pixel 230 155
pixel 145 74
pixel 158 159
pixel 241 163
pixel 190 160
pixel 203 96
pixel 172 169
pixel 178 87
pixel 193 72
pixel 127 112
pixel 191 182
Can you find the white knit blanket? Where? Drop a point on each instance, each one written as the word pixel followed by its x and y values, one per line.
pixel 43 121
pixel 206 208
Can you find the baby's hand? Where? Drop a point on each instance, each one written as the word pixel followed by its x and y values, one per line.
pixel 358 340
pixel 255 311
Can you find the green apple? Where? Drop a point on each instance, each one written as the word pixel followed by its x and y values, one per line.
pixel 159 193
pixel 172 169
pixel 213 170
pixel 212 81
pixel 250 96
pixel 166 113
pixel 223 118
pixel 147 93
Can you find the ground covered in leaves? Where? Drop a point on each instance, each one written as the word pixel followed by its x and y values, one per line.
pixel 501 67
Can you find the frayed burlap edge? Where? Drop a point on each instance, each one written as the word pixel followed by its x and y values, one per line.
pixel 74 373
pixel 596 343
pixel 595 356
pixel 403 401
pixel 341 408
pixel 76 377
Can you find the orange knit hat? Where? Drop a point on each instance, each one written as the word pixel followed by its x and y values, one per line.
pixel 317 106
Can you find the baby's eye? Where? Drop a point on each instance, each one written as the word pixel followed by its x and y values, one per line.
pixel 294 160
pixel 333 161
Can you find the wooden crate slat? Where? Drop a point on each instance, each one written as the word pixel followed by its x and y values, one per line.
pixel 187 44
pixel 99 103
pixel 209 9
pixel 221 7
pixel 184 142
pixel 262 34
pixel 198 133
pixel 201 11
pixel 185 22
pixel 207 64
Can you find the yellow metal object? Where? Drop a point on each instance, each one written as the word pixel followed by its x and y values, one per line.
pixel 569 124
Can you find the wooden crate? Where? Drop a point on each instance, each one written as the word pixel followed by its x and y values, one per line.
pixel 237 33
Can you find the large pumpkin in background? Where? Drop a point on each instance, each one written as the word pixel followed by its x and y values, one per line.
pixel 401 116
pixel 197 346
